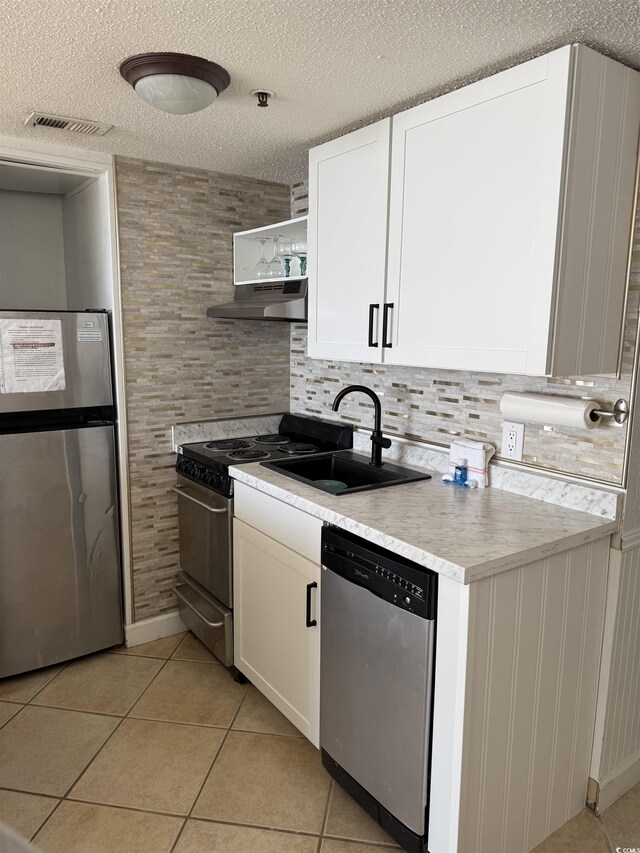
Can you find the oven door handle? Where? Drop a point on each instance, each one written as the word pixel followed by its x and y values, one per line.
pixel 200 615
pixel 180 491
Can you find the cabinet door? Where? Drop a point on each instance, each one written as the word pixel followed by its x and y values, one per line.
pixel 275 590
pixel 348 204
pixel 475 192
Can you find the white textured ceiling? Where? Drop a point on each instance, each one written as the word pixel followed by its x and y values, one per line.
pixel 334 65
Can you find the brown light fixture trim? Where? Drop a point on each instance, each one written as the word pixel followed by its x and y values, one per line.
pixel 141 65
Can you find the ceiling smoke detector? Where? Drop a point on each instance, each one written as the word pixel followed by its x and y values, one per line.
pixel 175 82
pixel 76 125
pixel 263 96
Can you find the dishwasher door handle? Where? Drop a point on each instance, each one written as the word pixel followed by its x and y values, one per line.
pixel 181 492
pixel 310 623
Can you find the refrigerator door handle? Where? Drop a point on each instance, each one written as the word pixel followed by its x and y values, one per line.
pixel 184 494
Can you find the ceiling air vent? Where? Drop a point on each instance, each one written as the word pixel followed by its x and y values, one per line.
pixel 77 125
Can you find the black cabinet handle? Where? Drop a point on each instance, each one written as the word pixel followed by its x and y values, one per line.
pixel 375 306
pixel 385 323
pixel 310 622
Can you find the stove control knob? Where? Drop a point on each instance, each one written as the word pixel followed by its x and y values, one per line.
pixel 407 600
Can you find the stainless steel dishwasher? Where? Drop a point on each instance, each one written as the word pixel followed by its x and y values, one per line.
pixel 376 681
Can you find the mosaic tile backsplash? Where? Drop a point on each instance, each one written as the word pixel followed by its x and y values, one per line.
pixel 436 406
pixel 175 227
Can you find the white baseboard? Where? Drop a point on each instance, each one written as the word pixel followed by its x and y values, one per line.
pixel 153 629
pixel 618 783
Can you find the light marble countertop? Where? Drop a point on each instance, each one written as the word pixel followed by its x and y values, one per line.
pixel 461 533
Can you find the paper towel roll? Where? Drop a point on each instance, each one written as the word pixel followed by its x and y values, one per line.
pixel 548 409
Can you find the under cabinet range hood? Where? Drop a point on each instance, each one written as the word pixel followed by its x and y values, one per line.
pixel 281 300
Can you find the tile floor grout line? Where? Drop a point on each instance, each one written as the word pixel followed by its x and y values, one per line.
pixel 126 716
pixel 182 817
pixel 219 750
pixel 383 845
pixel 13 716
pixel 30 793
pixel 112 716
pixel 122 719
pixel 47 682
pixel 133 655
pixel 604 834
pixel 46 820
pixel 179 835
pixel 327 805
pixel 284 830
pixel 33 704
pixel 176 722
pixel 112 650
pixel 80 710
pixel 325 817
pixel 89 802
pixel 208 773
pixel 93 758
pixel 176 815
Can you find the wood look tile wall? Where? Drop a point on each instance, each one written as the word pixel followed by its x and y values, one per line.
pixel 438 405
pixel 175 227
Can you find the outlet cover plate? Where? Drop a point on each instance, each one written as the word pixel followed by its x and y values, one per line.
pixel 512 441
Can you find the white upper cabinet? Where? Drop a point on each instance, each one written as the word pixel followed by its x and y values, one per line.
pixel 510 210
pixel 348 206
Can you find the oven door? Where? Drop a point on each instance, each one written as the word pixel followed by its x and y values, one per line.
pixel 205 520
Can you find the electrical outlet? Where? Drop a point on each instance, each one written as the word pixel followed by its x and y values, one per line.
pixel 512 441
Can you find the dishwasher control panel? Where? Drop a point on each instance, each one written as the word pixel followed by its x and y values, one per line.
pixel 396 580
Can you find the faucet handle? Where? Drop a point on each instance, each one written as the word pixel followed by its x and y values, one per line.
pixel 380 440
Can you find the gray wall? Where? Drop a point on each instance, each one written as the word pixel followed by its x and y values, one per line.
pixel 32 264
pixel 87 247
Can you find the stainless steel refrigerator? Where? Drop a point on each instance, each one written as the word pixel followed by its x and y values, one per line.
pixel 60 575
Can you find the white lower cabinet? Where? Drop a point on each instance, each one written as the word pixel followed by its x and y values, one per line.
pixel 277 624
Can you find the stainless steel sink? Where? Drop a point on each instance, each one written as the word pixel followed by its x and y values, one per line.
pixel 343 472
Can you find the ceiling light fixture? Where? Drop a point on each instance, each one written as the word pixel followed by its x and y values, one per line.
pixel 175 82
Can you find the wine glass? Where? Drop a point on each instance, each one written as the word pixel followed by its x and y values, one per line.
pixel 284 251
pixel 261 269
pixel 276 270
pixel 299 250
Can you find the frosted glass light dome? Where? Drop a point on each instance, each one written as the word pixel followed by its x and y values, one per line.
pixel 175 82
pixel 176 93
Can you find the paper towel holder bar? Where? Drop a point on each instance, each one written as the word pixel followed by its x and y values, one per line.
pixel 620 412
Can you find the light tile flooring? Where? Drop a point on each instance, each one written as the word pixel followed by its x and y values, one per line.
pixel 156 749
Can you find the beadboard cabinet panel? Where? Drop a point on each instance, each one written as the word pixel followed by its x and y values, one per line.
pixel 348 201
pixel 616 755
pixel 531 681
pixel 596 217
